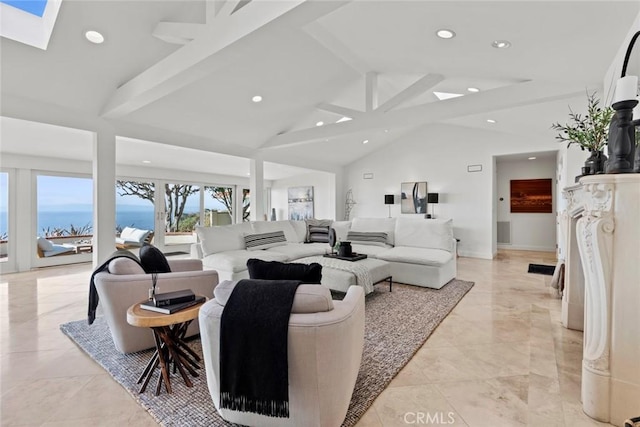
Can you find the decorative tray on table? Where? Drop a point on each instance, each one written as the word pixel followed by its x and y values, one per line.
pixel 353 257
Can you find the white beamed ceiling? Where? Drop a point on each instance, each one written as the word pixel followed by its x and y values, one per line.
pixel 296 65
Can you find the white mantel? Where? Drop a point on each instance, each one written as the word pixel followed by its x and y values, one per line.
pixel 608 235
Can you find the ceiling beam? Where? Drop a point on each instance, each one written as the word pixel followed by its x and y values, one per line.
pixel 343 111
pixel 371 91
pixel 517 95
pixel 178 32
pixel 336 47
pixel 416 89
pixel 210 51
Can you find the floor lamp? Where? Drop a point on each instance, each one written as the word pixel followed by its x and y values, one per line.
pixel 432 199
pixel 389 200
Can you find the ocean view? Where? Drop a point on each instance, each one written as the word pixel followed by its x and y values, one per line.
pixel 53 219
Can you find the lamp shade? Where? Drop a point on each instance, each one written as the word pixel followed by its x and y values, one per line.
pixel 389 199
pixel 432 197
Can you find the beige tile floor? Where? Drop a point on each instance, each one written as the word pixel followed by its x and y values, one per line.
pixel 501 358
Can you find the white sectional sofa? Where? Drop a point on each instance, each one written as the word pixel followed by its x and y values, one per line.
pixel 419 251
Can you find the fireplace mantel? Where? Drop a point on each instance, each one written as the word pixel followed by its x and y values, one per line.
pixel 608 238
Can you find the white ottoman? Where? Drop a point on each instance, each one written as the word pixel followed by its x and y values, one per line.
pixel 340 280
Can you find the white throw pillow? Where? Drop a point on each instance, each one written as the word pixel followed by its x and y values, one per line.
pixel 126 233
pixel 136 236
pixel 341 228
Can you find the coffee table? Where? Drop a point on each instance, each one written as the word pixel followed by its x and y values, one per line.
pixel 169 331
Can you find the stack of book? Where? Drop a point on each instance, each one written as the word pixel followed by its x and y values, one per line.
pixel 171 302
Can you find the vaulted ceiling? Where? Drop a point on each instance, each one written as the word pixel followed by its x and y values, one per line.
pixel 311 61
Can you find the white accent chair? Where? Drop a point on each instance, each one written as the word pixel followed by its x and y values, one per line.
pixel 325 345
pixel 126 284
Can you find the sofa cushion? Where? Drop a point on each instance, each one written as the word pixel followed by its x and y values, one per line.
pixel 223 238
pixel 236 261
pixel 369 250
pixel 256 242
pixel 308 298
pixel 423 233
pixel 153 260
pixel 275 270
pixel 373 238
pixel 300 227
pixel 124 265
pixel 341 228
pixel 272 226
pixel 294 251
pixel 386 225
pixel 422 256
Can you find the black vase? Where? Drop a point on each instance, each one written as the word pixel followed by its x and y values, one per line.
pixel 595 163
pixel 345 249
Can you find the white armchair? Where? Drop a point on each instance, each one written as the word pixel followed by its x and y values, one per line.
pixel 117 292
pixel 325 345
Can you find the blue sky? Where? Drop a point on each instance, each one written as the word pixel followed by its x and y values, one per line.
pixel 4 193
pixel 57 193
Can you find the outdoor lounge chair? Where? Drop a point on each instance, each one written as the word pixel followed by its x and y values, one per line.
pixel 47 249
pixel 131 238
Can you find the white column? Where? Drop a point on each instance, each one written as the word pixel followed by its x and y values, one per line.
pixel 104 193
pixel 256 186
pixel 609 243
pixel 26 217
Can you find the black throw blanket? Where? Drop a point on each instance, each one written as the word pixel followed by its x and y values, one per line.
pixel 254 370
pixel 93 293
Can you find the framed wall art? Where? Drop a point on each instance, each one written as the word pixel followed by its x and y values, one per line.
pixel 413 197
pixel 300 202
pixel 531 196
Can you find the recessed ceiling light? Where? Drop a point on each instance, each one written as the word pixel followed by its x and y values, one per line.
pixel 344 119
pixel 256 98
pixel 365 141
pixel 146 161
pixel 490 121
pixel 532 158
pixel 445 34
pixel 386 131
pixel 473 89
pixel 320 123
pixel 94 37
pixel 501 44
pixel 248 173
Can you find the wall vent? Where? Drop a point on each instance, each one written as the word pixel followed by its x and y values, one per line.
pixel 504 232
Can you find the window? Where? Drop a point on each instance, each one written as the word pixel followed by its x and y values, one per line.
pixel 182 207
pixel 218 206
pixel 134 205
pixel 65 207
pixel 246 204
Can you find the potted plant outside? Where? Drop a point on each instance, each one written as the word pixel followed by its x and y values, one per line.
pixel 589 132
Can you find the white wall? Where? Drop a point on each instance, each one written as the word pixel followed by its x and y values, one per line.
pixel 440 154
pixel 324 194
pixel 529 231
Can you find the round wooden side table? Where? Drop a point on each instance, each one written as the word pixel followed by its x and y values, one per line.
pixel 169 331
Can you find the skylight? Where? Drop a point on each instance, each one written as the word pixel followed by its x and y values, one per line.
pixel 29 21
pixel 446 95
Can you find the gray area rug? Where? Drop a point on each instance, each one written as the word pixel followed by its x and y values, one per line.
pixel 396 326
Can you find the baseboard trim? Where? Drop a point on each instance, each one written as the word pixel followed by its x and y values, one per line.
pixel 528 248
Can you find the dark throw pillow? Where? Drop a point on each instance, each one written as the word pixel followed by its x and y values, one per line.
pixel 274 270
pixel 153 261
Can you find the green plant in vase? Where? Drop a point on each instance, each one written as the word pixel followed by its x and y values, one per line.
pixel 589 132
